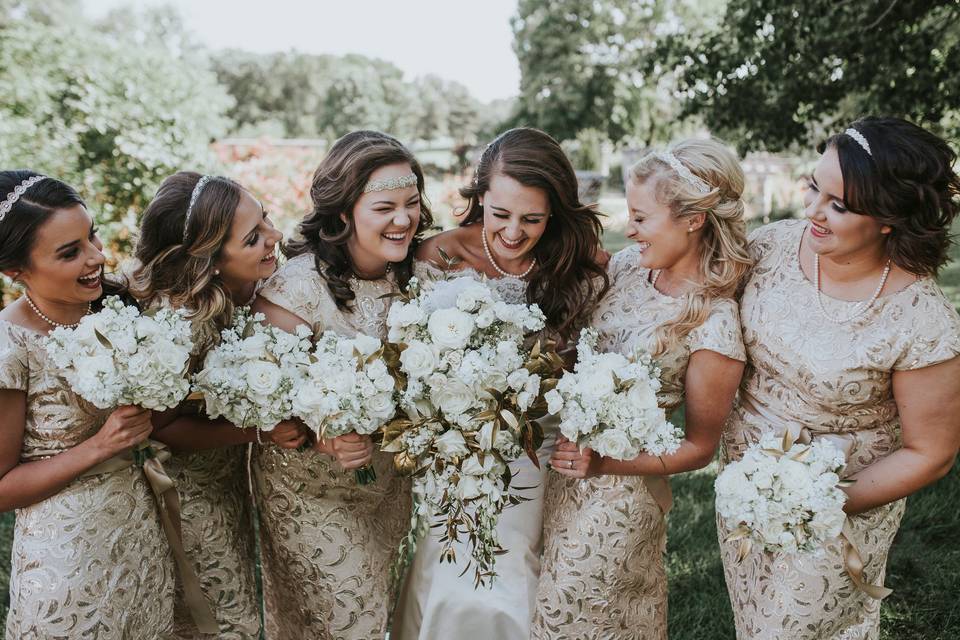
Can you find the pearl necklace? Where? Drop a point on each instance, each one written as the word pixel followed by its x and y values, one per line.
pixel 486 250
pixel 54 323
pixel 861 307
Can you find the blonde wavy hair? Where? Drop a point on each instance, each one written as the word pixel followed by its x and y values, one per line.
pixel 176 266
pixel 724 259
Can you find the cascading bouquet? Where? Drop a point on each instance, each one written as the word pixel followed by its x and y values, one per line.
pixel 472 392
pixel 783 495
pixel 347 388
pixel 250 376
pixel 124 356
pixel 609 403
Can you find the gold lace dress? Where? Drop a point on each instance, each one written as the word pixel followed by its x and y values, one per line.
pixel 805 372
pixel 217 529
pixel 327 543
pixel 604 538
pixel 91 561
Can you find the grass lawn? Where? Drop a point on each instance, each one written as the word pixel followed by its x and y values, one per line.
pixel 924 569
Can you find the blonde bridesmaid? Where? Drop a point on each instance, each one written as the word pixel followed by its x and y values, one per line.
pixel 849 338
pixel 672 295
pixel 204 245
pixel 328 544
pixel 89 556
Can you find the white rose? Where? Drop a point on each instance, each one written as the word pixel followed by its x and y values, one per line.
pixel 554 401
pixel 452 398
pixel 418 359
pixel 366 344
pixel 451 444
pixel 380 405
pixel 468 487
pixel 263 378
pixel 642 395
pixel 172 358
pixel 450 328
pixel 613 443
pixel 597 385
pixel 255 346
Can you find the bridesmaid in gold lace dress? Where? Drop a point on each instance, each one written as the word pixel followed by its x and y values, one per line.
pixel 328 544
pixel 89 556
pixel 204 245
pixel 672 295
pixel 849 338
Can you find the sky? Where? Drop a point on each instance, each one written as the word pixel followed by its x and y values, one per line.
pixel 464 40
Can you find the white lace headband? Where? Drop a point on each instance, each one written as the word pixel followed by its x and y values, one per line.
pixel 389 184
pixel 861 140
pixel 201 183
pixel 7 205
pixel 697 183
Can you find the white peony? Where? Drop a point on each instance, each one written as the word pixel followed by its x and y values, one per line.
pixel 418 359
pixel 450 328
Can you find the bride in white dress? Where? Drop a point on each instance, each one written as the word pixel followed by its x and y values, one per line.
pixel 526 232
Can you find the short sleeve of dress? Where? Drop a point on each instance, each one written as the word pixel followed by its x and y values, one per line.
pixel 721 332
pixel 930 328
pixel 623 261
pixel 772 239
pixel 298 288
pixel 14 369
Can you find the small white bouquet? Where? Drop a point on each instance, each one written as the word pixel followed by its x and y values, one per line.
pixel 123 356
pixel 609 403
pixel 472 392
pixel 783 495
pixel 249 377
pixel 347 389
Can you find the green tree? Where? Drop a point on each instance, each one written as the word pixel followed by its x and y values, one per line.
pixel 102 111
pixel 776 74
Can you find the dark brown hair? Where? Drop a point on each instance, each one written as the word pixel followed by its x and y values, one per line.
pixel 337 186
pixel 907 182
pixel 32 210
pixel 564 282
pixel 176 266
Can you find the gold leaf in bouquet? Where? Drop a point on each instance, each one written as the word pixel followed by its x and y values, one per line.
pixel 744 549
pixel 102 339
pixel 510 419
pixel 801 455
pixel 737 534
pixel 404 463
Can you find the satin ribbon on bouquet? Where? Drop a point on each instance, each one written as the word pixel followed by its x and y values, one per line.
pixel 164 490
pixel 852 560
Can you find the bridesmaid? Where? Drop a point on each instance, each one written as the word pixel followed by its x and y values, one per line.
pixel 848 337
pixel 328 544
pixel 671 295
pixel 204 245
pixel 89 557
pixel 527 232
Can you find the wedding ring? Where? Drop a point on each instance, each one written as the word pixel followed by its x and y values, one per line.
pixel 571 464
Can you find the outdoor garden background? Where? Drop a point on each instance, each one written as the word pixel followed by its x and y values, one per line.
pixel 114 105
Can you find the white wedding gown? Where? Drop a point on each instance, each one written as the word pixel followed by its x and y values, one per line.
pixel 436 602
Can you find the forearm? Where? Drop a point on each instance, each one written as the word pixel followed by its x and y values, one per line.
pixel 688 457
pixel 32 482
pixel 197 433
pixel 895 476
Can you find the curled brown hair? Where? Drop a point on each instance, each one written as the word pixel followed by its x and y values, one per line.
pixel 176 265
pixel 906 182
pixel 567 280
pixel 337 186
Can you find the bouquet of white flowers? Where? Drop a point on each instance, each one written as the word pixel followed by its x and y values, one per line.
pixel 249 377
pixel 347 388
pixel 122 356
pixel 609 403
pixel 472 393
pixel 783 495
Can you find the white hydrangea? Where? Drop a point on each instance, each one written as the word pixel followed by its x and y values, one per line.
pixel 785 500
pixel 609 403
pixel 249 377
pixel 120 356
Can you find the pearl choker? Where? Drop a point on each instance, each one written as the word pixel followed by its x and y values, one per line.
pixel 861 307
pixel 486 250
pixel 53 323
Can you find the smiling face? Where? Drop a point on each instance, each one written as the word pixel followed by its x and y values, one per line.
pixel 836 231
pixel 66 260
pixel 664 239
pixel 249 252
pixel 384 223
pixel 514 217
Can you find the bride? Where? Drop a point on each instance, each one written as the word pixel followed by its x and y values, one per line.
pixel 526 231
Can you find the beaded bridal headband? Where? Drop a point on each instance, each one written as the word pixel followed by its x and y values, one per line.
pixel 7 205
pixel 697 183
pixel 201 183
pixel 860 139
pixel 389 184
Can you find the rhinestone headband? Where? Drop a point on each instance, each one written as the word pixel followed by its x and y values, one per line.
pixel 7 205
pixel 389 184
pixel 201 183
pixel 700 185
pixel 861 140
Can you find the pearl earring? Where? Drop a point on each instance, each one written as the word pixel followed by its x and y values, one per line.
pixel 216 272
